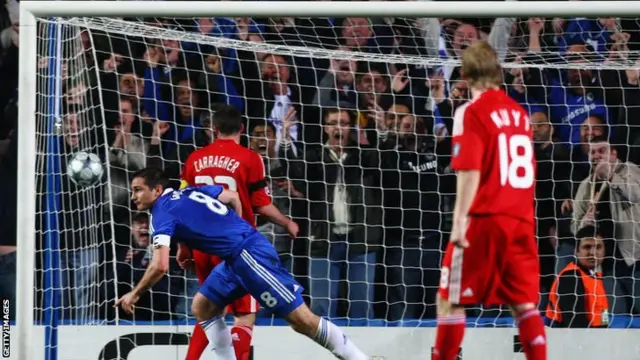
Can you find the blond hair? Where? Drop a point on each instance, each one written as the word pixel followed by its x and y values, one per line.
pixel 480 66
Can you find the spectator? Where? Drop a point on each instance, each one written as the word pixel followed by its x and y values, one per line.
pixel 412 215
pixel 464 35
pixel 279 92
pixel 357 34
pixel 610 199
pixel 130 82
pixel 162 57
pixel 127 155
pixel 596 32
pixel 628 125
pixel 574 97
pixel 132 263
pixel 338 85
pixel 286 196
pixel 372 86
pixel 345 219
pixel 553 185
pixel 80 228
pixel 217 78
pixel 578 298
pixel 592 127
pixel 173 141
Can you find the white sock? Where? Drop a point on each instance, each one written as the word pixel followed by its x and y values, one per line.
pixel 219 338
pixel 334 340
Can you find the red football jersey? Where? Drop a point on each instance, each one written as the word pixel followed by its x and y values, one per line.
pixel 492 134
pixel 233 166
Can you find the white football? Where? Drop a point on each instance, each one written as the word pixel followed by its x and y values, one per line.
pixel 84 169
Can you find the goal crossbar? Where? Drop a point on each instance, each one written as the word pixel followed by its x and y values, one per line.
pixel 331 8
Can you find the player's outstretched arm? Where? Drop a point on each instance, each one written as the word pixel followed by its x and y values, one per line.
pixel 232 199
pixel 156 270
pixel 467 184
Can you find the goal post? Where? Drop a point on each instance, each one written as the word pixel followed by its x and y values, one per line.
pixel 103 16
pixel 26 211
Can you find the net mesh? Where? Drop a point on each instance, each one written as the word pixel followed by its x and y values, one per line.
pixel 75 222
pixel 139 92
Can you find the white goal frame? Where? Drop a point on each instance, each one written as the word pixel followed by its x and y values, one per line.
pixel 30 10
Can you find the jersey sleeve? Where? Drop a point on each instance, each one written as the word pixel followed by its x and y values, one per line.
pixel 213 190
pixel 162 228
pixel 468 146
pixel 258 189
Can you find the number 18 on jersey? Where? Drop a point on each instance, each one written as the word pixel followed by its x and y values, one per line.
pixel 492 135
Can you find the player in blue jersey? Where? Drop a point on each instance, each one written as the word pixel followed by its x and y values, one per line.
pixel 201 219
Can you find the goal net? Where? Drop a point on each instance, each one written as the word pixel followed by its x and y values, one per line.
pixel 140 92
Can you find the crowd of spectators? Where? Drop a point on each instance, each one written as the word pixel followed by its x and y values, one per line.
pixel 356 152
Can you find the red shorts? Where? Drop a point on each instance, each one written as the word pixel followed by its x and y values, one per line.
pixel 204 264
pixel 500 266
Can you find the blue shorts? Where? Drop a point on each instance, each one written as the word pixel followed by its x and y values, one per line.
pixel 257 271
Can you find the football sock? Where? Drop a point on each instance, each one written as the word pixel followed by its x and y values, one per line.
pixel 219 337
pixel 532 337
pixel 241 336
pixel 333 339
pixel 197 344
pixel 450 332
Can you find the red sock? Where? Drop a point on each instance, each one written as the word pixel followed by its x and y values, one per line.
pixel 448 337
pixel 241 336
pixel 197 344
pixel 532 337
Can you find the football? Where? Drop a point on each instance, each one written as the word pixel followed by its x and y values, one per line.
pixel 84 169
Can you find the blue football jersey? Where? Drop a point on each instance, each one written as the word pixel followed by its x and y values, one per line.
pixel 569 111
pixel 196 217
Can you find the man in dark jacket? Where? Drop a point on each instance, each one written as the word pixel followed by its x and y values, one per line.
pixel 346 218
pixel 414 184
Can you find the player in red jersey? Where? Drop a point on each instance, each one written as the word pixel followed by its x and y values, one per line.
pixel 492 256
pixel 226 162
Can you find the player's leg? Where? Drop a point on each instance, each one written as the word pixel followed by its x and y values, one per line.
pixel 520 284
pixel 220 288
pixel 451 316
pixel 244 311
pixel 203 265
pixel 209 317
pixel 323 332
pixel 276 290
pixel 531 330
pixel 465 278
